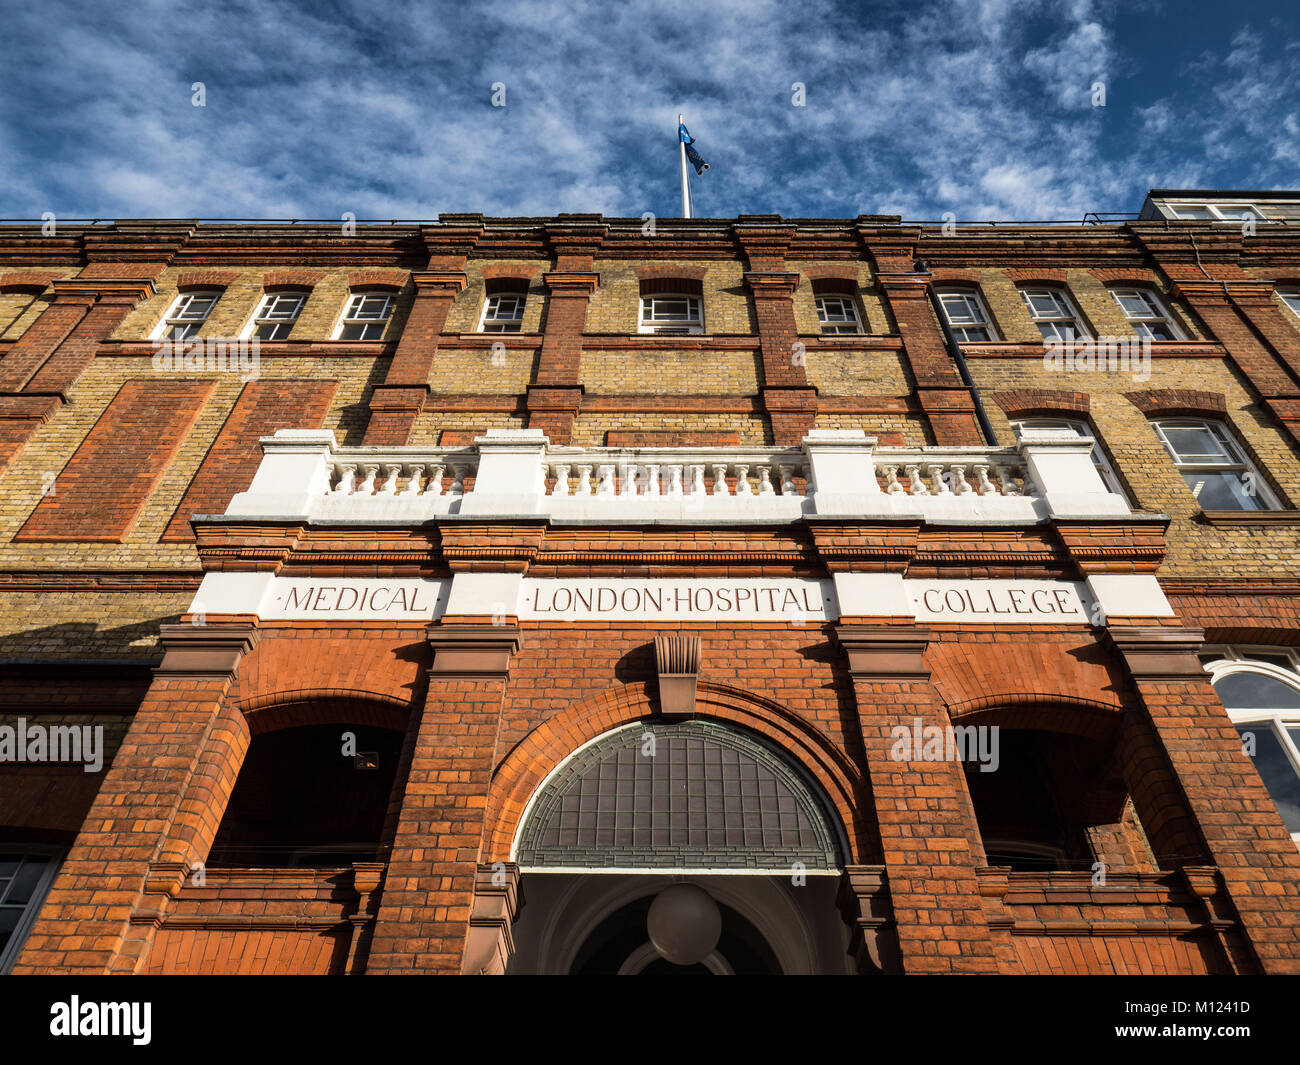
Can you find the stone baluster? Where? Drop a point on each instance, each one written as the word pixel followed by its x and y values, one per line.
pixel 720 479
pixel 629 479
pixel 391 473
pixel 765 481
pixel 458 482
pixel 742 481
pixel 917 481
pixel 1007 479
pixel 697 481
pixel 652 481
pixel 786 473
pixel 413 480
pixel 892 484
pixel 584 480
pixel 960 485
pixel 348 479
pixel 606 475
pixel 675 482
pixel 561 479
pixel 367 486
pixel 941 487
pixel 435 479
pixel 984 486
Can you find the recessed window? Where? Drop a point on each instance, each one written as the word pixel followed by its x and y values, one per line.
pixel 1261 691
pixel 503 313
pixel 675 313
pixel 1146 314
pixel 25 876
pixel 1214 465
pixel 1291 297
pixel 967 316
pixel 365 317
pixel 838 314
pixel 187 314
pixel 276 314
pixel 1079 428
pixel 1053 313
pixel 1215 212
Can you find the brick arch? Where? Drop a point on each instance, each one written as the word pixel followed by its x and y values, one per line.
pixel 524 768
pixel 334 662
pixel 1075 716
pixel 1110 275
pixel 378 278
pixel 1037 276
pixel 1024 402
pixel 1178 401
pixel 671 271
pixel 202 279
pixel 275 711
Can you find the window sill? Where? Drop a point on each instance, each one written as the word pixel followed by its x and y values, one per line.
pixel 1250 518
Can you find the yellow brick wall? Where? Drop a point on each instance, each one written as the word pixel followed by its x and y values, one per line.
pixel 468 306
pixel 857 373
pixel 912 427
pixel 86 624
pixel 320 315
pixel 460 370
pixel 430 424
pixel 870 303
pixel 671 372
pixel 1146 470
pixel 615 305
pixel 589 429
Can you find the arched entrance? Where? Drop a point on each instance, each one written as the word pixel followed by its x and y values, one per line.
pixel 657 806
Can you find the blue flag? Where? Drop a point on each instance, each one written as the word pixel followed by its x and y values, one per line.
pixel 696 159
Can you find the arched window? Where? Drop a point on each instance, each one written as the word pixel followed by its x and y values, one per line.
pixel 1053 312
pixel 967 316
pixel 187 314
pixel 366 315
pixel 503 305
pixel 690 795
pixel 1261 690
pixel 1146 313
pixel 671 306
pixel 1079 428
pixel 276 314
pixel 1214 465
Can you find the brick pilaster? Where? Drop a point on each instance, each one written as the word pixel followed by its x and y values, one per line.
pixel 428 900
pixel 923 810
pixel 160 802
pixel 1238 821
pixel 396 403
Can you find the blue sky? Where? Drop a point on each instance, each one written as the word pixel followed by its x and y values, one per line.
pixel 981 108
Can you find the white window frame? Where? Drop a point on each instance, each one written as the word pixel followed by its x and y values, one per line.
pixel 1052 323
pixel 356 301
pixel 269 313
pixel 1104 469
pixel 1237 460
pixel 32 909
pixel 1218 211
pixel 1237 659
pixel 981 320
pixel 692 323
pixel 490 320
pixel 1158 314
pixel 850 323
pixel 1290 297
pixel 180 314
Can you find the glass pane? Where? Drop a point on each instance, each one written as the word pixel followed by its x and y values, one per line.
pixel 973 334
pixel 9 865
pixel 1195 443
pixel 272 330
pixel 8 922
pixel 29 875
pixel 1220 491
pixel 1045 305
pixel 1135 305
pixel 1256 691
pixel 1190 212
pixel 1292 300
pixel 1275 769
pixel 1154 330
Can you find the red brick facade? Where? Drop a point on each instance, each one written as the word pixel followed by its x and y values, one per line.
pixel 1160 846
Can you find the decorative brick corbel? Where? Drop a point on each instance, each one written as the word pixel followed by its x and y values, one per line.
pixel 497 902
pixel 1157 653
pixel 874 651
pixel 478 652
pixel 205 650
pixel 863 899
pixel 677 660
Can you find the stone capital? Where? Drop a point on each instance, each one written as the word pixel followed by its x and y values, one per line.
pixel 205 650
pixel 1158 652
pixel 876 651
pixel 480 652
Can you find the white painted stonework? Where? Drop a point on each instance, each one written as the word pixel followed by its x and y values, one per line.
pixel 631 601
pixel 998 602
pixel 667 599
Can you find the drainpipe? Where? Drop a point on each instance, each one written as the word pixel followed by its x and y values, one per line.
pixel 954 350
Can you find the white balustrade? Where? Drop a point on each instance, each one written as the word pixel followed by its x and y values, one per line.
pixel 305 474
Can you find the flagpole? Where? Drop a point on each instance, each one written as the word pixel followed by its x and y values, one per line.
pixel 681 151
